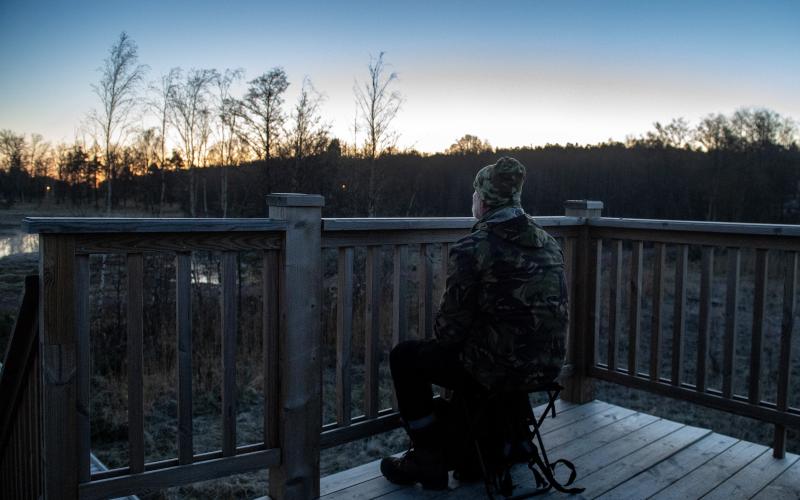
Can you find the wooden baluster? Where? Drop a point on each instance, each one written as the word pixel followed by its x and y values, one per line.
pixel 704 320
pixel 399 309
pixel 399 317
pixel 135 361
pixel 759 309
pixel 83 367
pixel 569 274
pixel 443 270
pixel 679 314
pixel 270 276
pixel 37 431
pixel 23 422
pixel 615 303
pixel 729 345
pixel 784 366
pixel 229 328
pixel 444 267
pixel 344 335
pixel 596 299
pixel 634 319
pixel 372 324
pixel 655 334
pixel 183 321
pixel 425 293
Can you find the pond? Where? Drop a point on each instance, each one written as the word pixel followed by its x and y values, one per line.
pixel 12 243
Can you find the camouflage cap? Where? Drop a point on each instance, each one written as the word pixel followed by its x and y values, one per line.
pixel 500 183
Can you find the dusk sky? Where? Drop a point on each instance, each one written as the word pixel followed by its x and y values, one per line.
pixel 514 73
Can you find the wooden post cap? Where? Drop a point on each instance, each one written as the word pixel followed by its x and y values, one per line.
pixel 583 208
pixel 295 200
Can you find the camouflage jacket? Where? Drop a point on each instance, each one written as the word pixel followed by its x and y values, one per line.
pixel 505 304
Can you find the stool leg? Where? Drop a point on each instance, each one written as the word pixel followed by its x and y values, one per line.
pixel 486 479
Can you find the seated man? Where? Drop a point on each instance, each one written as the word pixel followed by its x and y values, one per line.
pixel 501 324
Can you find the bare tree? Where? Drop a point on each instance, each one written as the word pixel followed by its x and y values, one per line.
pixel 159 104
pixel 763 127
pixel 117 89
pixel 714 132
pixel 378 105
pixel 262 111
pixel 308 134
pixel 189 114
pixel 675 134
pixel 38 156
pixel 12 150
pixel 469 144
pixel 227 127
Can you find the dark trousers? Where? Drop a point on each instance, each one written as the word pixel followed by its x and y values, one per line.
pixel 415 366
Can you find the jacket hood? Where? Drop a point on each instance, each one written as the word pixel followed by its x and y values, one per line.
pixel 514 225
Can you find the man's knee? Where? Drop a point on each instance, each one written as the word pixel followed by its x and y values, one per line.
pixel 403 354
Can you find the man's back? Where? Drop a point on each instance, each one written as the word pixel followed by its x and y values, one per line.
pixel 505 306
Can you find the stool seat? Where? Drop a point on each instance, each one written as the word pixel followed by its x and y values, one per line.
pixel 529 389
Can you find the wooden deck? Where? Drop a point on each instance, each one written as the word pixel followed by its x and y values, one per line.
pixel 619 453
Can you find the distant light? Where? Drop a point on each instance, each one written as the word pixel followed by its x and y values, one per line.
pixel 48 188
pixel 344 186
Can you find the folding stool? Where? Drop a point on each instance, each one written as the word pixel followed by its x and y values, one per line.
pixel 502 410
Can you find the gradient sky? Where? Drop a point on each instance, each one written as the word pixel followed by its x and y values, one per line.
pixel 515 73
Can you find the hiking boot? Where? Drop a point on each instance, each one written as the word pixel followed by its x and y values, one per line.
pixel 418 465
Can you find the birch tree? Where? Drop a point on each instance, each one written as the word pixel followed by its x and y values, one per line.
pixel 159 105
pixel 117 90
pixel 189 114
pixel 227 127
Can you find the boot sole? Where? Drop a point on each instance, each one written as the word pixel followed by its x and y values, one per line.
pixel 428 484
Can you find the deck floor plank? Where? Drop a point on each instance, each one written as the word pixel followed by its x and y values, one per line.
pixel 753 477
pixel 601 437
pixel 658 477
pixel 706 477
pixel 642 459
pixel 585 426
pixel 619 454
pixel 786 486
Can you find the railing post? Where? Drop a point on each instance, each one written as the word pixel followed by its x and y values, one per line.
pixel 299 385
pixel 578 386
pixel 58 351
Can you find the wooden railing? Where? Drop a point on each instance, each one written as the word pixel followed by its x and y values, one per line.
pixel 688 251
pixel 65 248
pixel 19 403
pixel 631 283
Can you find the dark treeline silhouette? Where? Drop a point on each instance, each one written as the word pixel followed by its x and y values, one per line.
pixel 758 183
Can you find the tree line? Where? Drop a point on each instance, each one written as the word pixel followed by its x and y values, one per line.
pixel 196 121
pixel 212 153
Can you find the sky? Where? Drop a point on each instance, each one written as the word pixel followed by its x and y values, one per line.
pixel 515 73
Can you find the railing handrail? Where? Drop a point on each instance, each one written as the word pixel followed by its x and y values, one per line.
pixel 737 228
pixel 423 223
pixel 95 225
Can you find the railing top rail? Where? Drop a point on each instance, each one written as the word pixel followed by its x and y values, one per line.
pixel 422 223
pixel 106 225
pixel 697 226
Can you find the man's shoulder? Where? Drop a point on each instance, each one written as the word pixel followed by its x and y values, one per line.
pixel 470 241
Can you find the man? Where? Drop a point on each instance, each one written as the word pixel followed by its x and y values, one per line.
pixel 501 324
